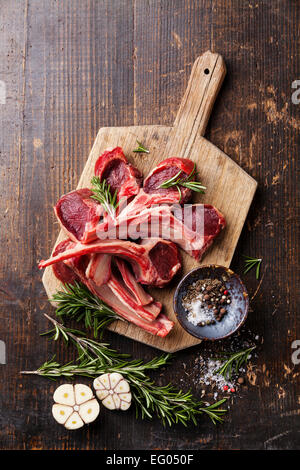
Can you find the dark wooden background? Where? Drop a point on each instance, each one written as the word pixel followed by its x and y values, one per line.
pixel 71 67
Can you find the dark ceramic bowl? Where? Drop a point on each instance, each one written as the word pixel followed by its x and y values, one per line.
pixel 237 310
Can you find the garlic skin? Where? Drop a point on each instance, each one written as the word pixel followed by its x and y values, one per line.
pixel 113 391
pixel 75 406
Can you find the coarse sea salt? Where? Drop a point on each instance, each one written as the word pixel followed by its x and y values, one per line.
pixel 209 375
pixel 198 312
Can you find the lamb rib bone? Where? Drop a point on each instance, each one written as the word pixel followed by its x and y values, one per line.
pixel 99 268
pixel 161 326
pixel 100 272
pixel 192 227
pixel 148 312
pixel 151 193
pixel 142 297
pixel 145 259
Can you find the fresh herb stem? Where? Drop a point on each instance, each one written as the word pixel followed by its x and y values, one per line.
pixel 102 194
pixel 234 362
pixel 85 346
pixel 251 263
pixel 76 302
pixel 141 148
pixel 177 182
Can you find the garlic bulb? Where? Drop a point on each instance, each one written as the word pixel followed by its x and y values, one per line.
pixel 113 390
pixel 75 405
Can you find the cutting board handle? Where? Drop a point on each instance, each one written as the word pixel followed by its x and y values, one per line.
pixel 206 78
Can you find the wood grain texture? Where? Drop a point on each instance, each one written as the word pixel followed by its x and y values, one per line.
pixel 73 67
pixel 230 189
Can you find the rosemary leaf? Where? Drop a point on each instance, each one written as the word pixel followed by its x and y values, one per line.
pixel 177 182
pixel 141 148
pixel 76 302
pixel 102 194
pixel 234 362
pixel 252 263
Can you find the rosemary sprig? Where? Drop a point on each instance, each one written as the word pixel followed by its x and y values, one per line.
pixel 75 301
pixel 251 263
pixel 234 362
pixel 86 347
pixel 171 405
pixel 177 182
pixel 102 194
pixel 141 148
pixel 166 402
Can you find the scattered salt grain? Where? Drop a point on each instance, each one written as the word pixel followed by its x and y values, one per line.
pixel 209 375
pixel 197 312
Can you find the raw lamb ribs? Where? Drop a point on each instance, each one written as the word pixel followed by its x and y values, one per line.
pixel 79 214
pixel 146 259
pixel 192 227
pixel 101 251
pixel 114 294
pixel 151 193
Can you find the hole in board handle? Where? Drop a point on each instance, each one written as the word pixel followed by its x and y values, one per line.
pixel 206 71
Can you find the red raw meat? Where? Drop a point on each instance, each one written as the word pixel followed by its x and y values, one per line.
pixel 122 177
pixel 142 297
pixel 99 271
pixel 79 215
pixel 118 287
pixel 61 271
pixel 145 259
pixel 164 171
pixel 154 215
pixel 151 193
pixel 192 227
pixel 160 326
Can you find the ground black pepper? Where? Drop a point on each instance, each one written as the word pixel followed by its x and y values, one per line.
pixel 206 299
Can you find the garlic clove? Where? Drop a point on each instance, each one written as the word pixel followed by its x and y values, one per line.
pixel 125 405
pixel 115 378
pixel 101 394
pixel 117 401
pixel 109 403
pixel 122 387
pixel 83 393
pixel 74 421
pixel 61 412
pixel 98 385
pixel 125 397
pixel 89 410
pixel 64 395
pixel 104 380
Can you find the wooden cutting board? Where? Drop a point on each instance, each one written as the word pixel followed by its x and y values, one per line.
pixel 229 188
